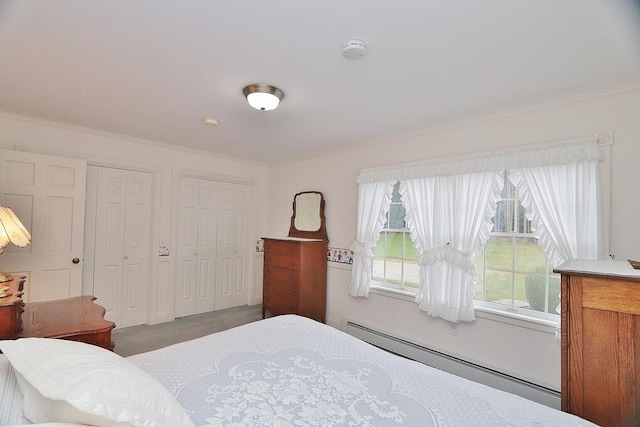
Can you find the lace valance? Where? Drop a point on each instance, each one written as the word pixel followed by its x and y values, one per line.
pixel 561 152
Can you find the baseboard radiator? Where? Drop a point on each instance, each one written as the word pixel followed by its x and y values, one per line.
pixel 455 365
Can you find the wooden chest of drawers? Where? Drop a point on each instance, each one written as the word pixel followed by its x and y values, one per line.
pixel 11 308
pixel 295 277
pixel 76 319
pixel 600 346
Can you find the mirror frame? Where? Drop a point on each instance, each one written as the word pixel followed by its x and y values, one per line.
pixel 320 233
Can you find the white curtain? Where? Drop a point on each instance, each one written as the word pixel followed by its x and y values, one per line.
pixel 449 218
pixel 561 201
pixel 374 199
pixel 450 203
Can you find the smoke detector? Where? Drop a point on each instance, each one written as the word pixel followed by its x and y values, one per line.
pixel 354 49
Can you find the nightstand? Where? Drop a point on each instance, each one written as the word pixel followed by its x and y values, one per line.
pixel 76 319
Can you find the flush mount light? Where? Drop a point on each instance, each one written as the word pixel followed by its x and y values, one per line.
pixel 262 96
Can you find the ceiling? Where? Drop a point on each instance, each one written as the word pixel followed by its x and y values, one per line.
pixel 154 69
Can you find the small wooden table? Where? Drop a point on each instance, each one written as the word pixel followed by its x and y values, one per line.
pixel 76 319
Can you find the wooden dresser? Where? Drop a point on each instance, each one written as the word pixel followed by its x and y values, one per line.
pixel 76 319
pixel 295 277
pixel 11 308
pixel 295 267
pixel 600 330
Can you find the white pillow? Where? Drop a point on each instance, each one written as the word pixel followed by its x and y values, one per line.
pixel 74 382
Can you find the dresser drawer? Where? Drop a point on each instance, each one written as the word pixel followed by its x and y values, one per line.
pixel 290 262
pixel 284 289
pixel 277 304
pixel 281 247
pixel 277 274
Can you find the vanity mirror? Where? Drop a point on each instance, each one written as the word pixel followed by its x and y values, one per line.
pixel 308 219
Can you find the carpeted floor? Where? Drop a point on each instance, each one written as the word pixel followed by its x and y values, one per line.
pixel 142 338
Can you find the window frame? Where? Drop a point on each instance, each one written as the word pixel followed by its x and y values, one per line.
pixel 509 219
pixel 406 237
pixel 513 309
pixel 510 310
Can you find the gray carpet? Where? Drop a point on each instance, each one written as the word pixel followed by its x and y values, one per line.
pixel 139 339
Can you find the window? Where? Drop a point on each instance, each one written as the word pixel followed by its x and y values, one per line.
pixel 395 259
pixel 446 198
pixel 513 270
pixel 514 273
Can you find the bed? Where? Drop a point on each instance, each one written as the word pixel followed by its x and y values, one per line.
pixel 282 371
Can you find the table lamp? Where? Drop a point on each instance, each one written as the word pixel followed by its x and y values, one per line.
pixel 11 231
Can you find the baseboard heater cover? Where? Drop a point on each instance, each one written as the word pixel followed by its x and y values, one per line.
pixel 456 366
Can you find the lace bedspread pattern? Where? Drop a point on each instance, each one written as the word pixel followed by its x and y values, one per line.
pixel 292 371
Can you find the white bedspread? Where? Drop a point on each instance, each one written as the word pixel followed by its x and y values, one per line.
pixel 292 371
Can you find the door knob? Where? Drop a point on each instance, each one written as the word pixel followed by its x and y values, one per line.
pixel 126 257
pixel 75 260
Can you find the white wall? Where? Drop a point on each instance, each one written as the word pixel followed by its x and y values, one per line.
pixel 532 354
pixel 164 162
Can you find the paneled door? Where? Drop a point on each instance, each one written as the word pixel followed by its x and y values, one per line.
pixel 196 246
pixel 234 246
pixel 48 195
pixel 119 232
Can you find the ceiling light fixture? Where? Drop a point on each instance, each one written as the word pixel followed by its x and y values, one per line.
pixel 262 96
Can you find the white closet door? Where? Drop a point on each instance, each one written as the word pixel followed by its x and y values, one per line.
pixel 196 246
pixel 187 246
pixel 110 187
pixel 121 243
pixel 234 246
pixel 207 237
pixel 137 250
pixel 47 193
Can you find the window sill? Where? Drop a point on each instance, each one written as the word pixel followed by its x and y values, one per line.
pixel 502 316
pixel 523 321
pixel 393 293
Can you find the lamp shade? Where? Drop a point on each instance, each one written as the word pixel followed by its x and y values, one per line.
pixel 262 96
pixel 12 230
